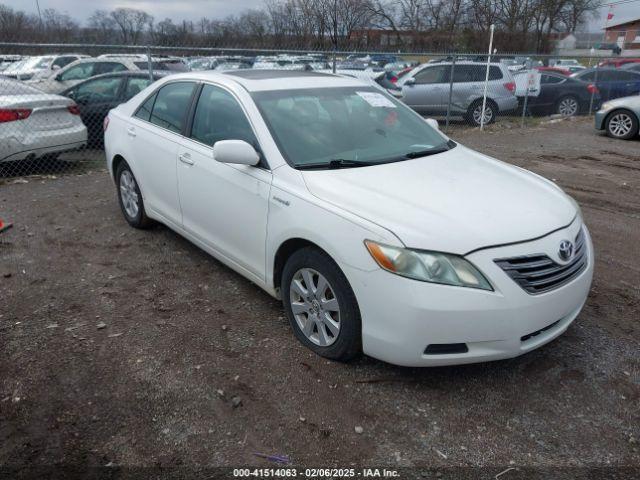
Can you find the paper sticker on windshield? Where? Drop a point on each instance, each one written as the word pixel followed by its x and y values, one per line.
pixel 376 99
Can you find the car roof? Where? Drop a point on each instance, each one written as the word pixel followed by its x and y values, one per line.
pixel 264 80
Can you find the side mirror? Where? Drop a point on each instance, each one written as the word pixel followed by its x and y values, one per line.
pixel 235 151
pixel 55 68
pixel 410 81
pixel 71 94
pixel 432 123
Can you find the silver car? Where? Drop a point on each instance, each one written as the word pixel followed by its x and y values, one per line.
pixel 426 89
pixel 620 117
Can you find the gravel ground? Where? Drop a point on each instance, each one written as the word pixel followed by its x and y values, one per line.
pixel 135 348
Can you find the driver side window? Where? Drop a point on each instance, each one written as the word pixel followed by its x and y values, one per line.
pixel 218 117
pixel 432 75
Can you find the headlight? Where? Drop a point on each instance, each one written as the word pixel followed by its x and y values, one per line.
pixel 606 106
pixel 434 267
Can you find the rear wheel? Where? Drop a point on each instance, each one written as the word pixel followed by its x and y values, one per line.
pixel 130 198
pixel 320 305
pixel 622 124
pixel 567 106
pixel 475 114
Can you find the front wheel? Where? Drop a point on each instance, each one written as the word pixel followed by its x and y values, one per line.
pixel 622 124
pixel 320 305
pixel 475 114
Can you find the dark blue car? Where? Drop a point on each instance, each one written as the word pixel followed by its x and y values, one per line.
pixel 611 82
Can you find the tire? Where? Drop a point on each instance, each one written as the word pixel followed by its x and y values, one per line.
pixel 475 109
pixel 567 106
pixel 130 198
pixel 622 124
pixel 339 338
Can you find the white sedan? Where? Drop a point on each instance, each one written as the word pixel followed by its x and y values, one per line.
pixel 378 232
pixel 34 124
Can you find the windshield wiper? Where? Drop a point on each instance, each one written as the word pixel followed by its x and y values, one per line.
pixel 431 151
pixel 334 164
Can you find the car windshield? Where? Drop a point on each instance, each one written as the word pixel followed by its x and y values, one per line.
pixel 345 126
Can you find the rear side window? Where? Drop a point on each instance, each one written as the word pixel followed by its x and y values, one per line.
pixel 101 90
pixel 144 112
pixel 219 117
pixel 171 105
pixel 475 73
pixel 548 79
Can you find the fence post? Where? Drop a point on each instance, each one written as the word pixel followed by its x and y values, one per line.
pixel 149 63
pixel 593 92
pixel 526 93
pixel 335 48
pixel 453 66
pixel 486 78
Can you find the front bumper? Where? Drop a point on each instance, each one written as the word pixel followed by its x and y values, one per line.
pixel 599 119
pixel 401 317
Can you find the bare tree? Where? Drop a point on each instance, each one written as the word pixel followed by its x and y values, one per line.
pixel 131 23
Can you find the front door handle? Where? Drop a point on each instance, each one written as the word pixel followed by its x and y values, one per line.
pixel 131 132
pixel 186 158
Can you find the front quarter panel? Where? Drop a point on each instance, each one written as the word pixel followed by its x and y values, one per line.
pixel 295 214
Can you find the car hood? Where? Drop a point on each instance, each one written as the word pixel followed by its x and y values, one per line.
pixel 628 102
pixel 456 201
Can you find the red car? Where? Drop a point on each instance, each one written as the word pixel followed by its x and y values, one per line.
pixel 561 71
pixel 617 62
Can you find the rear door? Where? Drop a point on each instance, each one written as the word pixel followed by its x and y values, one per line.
pixel 155 134
pixel 429 92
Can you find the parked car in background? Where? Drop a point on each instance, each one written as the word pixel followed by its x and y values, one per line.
pixel 378 233
pixel 39 66
pixel 631 66
pixel 81 70
pixel 89 67
pixel 97 95
pixel 7 60
pixel 205 63
pixel 620 118
pixel 561 70
pixel 562 95
pixel 565 62
pixel 618 62
pixel 611 82
pixel 426 90
pixel 34 124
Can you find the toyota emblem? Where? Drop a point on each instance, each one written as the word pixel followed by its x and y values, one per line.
pixel 566 250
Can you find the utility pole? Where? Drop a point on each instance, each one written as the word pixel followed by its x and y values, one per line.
pixel 39 14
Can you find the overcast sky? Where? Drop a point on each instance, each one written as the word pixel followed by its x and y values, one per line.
pixel 178 10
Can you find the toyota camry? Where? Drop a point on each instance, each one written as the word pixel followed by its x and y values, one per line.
pixel 378 233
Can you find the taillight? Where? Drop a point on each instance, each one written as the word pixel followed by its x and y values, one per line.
pixel 13 114
pixel 394 79
pixel 105 124
pixel 73 109
pixel 511 86
pixel 591 88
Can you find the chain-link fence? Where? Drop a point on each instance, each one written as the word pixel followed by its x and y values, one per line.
pixel 55 97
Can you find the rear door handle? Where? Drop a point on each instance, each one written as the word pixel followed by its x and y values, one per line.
pixel 186 158
pixel 131 132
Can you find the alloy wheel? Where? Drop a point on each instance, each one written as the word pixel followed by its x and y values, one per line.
pixel 128 194
pixel 315 307
pixel 620 124
pixel 568 107
pixel 477 115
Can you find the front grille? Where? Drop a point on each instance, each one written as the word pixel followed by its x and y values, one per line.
pixel 538 273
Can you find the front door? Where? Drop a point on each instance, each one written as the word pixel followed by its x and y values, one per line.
pixel 225 206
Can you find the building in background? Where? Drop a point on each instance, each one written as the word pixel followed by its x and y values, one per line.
pixel 625 34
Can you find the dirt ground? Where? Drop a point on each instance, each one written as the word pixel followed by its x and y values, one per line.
pixel 130 348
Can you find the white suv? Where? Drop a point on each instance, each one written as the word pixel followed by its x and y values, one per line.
pixel 378 232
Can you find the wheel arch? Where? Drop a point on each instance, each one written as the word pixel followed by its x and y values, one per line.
pixel 284 252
